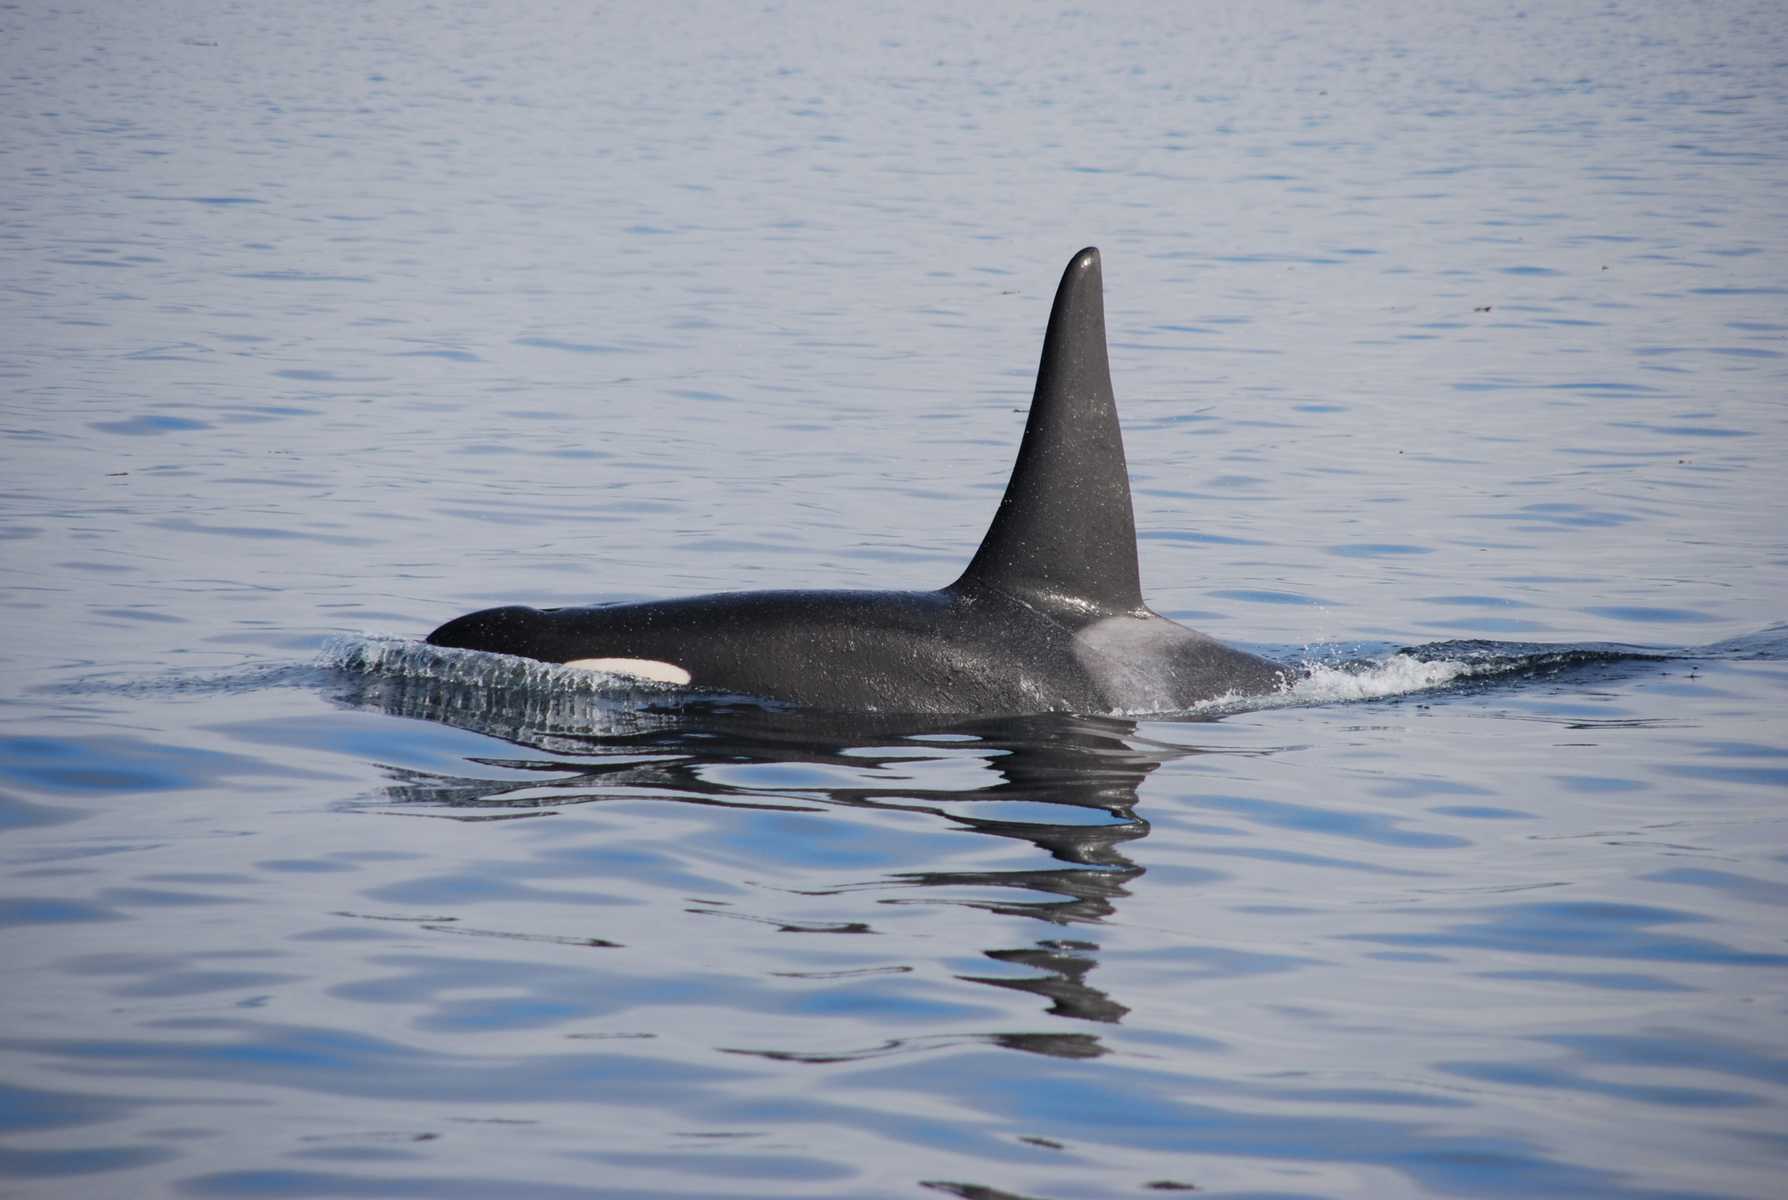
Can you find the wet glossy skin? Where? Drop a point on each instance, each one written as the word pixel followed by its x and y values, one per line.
pixel 958 650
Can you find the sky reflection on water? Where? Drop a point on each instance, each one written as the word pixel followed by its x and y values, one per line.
pixel 1463 329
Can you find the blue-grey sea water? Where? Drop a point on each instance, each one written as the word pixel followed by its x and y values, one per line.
pixel 1457 327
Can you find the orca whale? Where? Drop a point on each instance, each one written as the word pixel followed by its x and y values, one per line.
pixel 1048 616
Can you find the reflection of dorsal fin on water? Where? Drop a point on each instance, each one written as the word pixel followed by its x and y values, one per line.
pixel 1064 535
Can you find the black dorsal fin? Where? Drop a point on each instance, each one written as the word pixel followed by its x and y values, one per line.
pixel 1064 536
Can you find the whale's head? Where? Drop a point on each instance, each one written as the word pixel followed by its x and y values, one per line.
pixel 512 629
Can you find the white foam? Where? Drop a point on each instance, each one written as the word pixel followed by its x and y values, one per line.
pixel 409 659
pixel 1317 682
pixel 1398 675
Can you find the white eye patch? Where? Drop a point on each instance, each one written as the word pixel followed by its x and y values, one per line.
pixel 638 668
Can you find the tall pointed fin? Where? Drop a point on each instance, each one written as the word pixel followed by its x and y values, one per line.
pixel 1064 536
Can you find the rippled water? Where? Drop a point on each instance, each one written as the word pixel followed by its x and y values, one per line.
pixel 1457 332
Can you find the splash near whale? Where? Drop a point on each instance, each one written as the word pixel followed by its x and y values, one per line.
pixel 1048 616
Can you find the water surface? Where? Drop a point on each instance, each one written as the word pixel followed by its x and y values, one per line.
pixel 321 326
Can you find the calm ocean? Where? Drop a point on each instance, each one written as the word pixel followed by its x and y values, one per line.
pixel 1457 326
